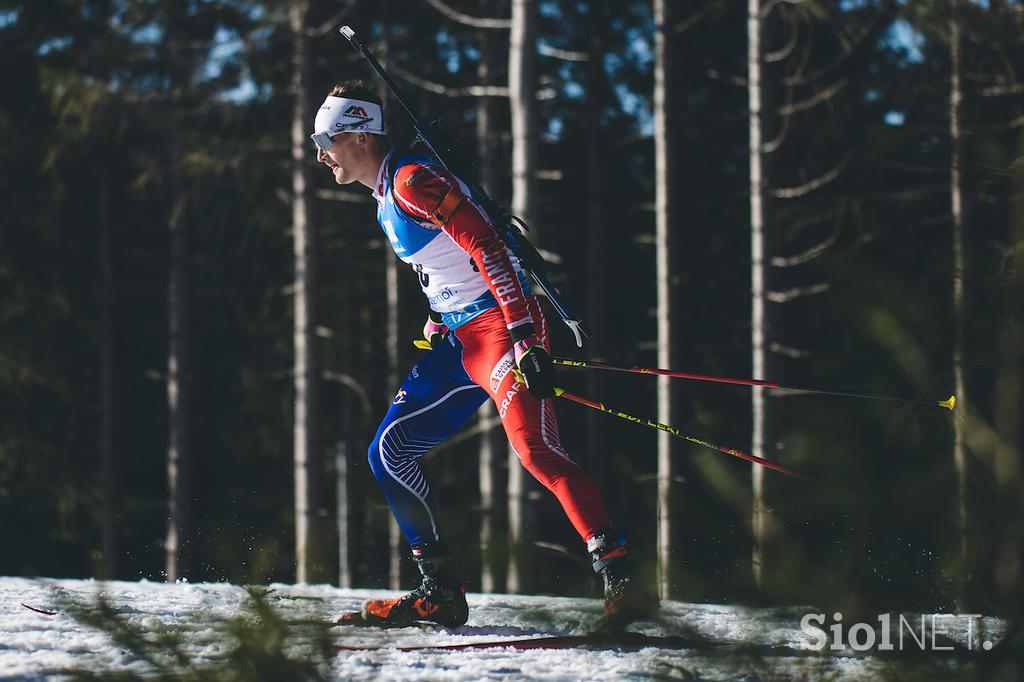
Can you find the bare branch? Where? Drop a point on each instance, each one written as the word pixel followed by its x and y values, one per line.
pixel 999 90
pixel 1007 172
pixel 566 55
pixel 332 23
pixel 987 77
pixel 349 381
pixel 546 92
pixel 808 255
pixel 813 101
pixel 714 75
pixel 466 19
pixel 908 195
pixel 788 351
pixel 805 58
pixel 1013 251
pixel 796 292
pixel 773 145
pixel 996 127
pixel 916 168
pixel 804 222
pixel 810 186
pixel 787 49
pixel 859 40
pixel 481 426
pixel 696 17
pixel 770 7
pixel 982 439
pixel 449 91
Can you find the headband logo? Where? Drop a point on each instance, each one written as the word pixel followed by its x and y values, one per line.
pixel 356 111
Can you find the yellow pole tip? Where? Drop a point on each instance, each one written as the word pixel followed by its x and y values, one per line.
pixel 559 391
pixel 949 404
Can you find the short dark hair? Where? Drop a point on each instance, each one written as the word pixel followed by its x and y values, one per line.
pixel 356 89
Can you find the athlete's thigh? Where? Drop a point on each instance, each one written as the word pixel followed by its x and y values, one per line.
pixel 436 398
pixel 487 356
pixel 489 360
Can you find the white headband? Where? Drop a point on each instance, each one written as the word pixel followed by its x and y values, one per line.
pixel 339 114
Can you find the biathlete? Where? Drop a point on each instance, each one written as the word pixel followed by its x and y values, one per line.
pixel 484 323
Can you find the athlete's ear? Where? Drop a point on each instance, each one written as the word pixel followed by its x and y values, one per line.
pixel 362 138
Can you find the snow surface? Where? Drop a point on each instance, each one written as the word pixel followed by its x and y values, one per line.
pixel 37 646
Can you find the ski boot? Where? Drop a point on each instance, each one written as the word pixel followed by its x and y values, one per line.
pixel 440 598
pixel 625 599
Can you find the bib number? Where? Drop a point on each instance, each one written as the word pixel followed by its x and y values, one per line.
pixel 424 277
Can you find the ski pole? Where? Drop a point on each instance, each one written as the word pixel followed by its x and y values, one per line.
pixel 527 254
pixel 676 432
pixel 949 403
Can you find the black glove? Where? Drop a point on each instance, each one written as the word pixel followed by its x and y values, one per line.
pixel 533 362
pixel 434 332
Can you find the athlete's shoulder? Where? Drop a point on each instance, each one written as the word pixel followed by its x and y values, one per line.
pixel 420 175
pixel 427 190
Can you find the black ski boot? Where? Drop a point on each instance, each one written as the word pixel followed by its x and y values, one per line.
pixel 440 598
pixel 625 600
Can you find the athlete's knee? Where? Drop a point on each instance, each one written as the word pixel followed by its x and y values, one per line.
pixel 543 461
pixel 525 455
pixel 388 453
pixel 373 456
pixel 523 445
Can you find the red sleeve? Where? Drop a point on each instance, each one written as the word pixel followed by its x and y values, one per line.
pixel 432 193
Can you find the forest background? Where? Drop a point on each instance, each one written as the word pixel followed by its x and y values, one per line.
pixel 199 331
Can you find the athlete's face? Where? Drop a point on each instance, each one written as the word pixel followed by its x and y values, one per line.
pixel 345 157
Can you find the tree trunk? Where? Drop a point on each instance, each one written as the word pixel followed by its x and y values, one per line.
pixel 597 277
pixel 372 546
pixel 107 414
pixel 757 280
pixel 308 460
pixel 522 80
pixel 1009 390
pixel 347 496
pixel 522 86
pixel 391 341
pixel 957 210
pixel 178 294
pixel 493 444
pixel 493 500
pixel 342 456
pixel 178 400
pixel 668 344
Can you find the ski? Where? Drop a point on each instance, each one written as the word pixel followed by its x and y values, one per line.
pixel 605 626
pixel 42 611
pixel 619 641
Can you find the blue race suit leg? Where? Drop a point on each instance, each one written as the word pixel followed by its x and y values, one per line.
pixel 436 399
